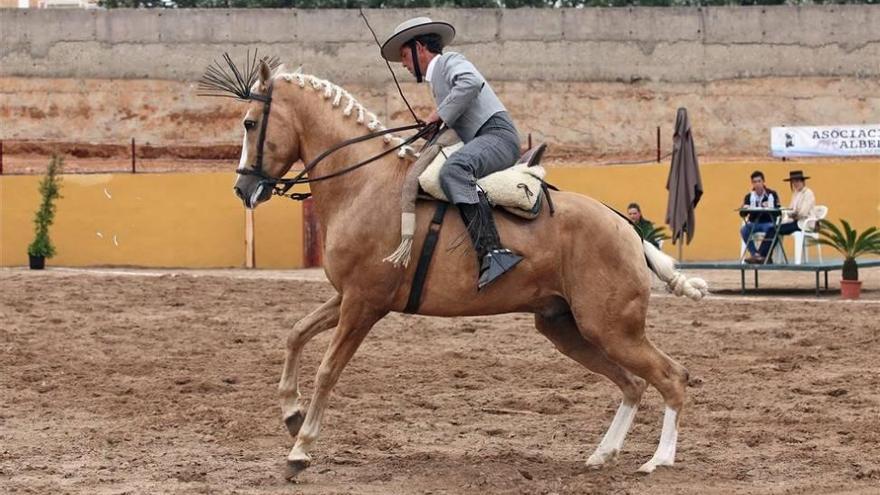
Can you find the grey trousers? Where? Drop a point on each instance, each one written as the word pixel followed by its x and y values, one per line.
pixel 494 148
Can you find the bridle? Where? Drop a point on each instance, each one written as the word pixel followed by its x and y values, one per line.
pixel 280 187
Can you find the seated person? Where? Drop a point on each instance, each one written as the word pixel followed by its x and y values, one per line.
pixel 760 197
pixel 642 224
pixel 802 202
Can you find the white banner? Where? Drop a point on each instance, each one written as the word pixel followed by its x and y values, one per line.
pixel 837 140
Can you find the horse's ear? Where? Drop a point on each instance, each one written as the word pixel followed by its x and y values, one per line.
pixel 265 73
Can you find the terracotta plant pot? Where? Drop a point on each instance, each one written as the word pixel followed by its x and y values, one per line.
pixel 37 262
pixel 850 289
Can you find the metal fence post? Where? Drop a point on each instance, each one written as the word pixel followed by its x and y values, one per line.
pixel 658 144
pixel 133 169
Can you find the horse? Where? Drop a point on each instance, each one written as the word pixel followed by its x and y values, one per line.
pixel 584 277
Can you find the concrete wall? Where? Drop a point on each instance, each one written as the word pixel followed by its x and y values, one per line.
pixel 682 45
pixel 193 220
pixel 597 81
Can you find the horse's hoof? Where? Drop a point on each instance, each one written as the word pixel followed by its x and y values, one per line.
pixel 294 468
pixel 597 459
pixel 650 466
pixel 294 422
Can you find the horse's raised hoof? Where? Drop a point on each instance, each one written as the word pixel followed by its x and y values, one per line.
pixel 294 468
pixel 294 422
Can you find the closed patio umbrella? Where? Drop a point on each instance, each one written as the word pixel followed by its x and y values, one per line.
pixel 684 184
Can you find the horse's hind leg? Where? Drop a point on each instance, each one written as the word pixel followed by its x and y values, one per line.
pixel 622 337
pixel 670 378
pixel 561 329
pixel 355 322
pixel 319 320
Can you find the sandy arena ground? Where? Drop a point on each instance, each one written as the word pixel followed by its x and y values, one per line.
pixel 165 383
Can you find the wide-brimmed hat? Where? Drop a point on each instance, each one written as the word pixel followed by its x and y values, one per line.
pixel 796 175
pixel 411 28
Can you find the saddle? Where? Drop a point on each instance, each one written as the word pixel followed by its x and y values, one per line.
pixel 517 189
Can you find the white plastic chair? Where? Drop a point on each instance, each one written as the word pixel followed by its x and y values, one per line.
pixel 809 231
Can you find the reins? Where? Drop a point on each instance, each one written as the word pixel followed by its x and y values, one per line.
pixel 424 130
pixel 280 186
pixel 218 81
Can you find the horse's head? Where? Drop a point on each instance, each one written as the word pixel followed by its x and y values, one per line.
pixel 270 146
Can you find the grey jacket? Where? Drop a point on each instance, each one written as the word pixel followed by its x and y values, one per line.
pixel 465 101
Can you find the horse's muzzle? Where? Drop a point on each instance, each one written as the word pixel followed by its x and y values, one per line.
pixel 243 197
pixel 252 193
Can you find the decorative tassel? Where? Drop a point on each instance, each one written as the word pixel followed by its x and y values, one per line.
pixel 401 255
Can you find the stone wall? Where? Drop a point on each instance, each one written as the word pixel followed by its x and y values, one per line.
pixel 593 81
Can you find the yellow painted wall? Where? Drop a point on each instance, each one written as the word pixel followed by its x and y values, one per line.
pixel 194 220
pixel 154 220
pixel 278 233
pixel 851 190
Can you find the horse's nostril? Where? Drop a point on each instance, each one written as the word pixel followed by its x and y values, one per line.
pixel 238 192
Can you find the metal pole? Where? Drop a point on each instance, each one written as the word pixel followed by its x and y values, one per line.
pixel 658 144
pixel 311 235
pixel 1 157
pixel 250 257
pixel 530 140
pixel 133 169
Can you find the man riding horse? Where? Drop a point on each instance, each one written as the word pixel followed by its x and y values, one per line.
pixel 293 116
pixel 467 104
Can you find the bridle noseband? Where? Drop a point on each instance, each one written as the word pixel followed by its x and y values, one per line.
pixel 280 187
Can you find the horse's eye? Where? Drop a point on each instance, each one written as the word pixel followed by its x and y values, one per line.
pixel 250 124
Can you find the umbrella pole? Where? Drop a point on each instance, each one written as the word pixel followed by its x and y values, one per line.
pixel 680 248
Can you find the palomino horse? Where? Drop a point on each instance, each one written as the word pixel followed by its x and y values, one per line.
pixel 584 276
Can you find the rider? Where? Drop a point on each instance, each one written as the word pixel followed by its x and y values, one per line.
pixel 467 104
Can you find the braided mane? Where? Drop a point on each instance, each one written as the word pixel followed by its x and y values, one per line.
pixel 337 95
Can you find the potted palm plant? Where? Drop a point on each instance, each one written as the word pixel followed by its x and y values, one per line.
pixel 851 244
pixel 654 235
pixel 50 187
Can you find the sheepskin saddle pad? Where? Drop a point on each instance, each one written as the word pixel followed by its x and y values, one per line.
pixel 516 189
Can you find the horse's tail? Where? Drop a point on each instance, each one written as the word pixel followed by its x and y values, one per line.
pixel 677 283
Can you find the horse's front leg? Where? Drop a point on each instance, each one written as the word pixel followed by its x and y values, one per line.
pixel 355 322
pixel 319 320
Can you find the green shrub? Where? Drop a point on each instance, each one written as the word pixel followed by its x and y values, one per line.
pixel 848 242
pixel 50 188
pixel 652 234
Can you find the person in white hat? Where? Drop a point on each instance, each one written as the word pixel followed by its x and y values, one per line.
pixel 467 104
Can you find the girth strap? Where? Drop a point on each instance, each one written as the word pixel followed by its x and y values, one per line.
pixel 418 283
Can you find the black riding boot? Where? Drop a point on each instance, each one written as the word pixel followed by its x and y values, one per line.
pixel 493 259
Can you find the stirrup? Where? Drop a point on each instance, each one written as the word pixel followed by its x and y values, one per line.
pixel 496 263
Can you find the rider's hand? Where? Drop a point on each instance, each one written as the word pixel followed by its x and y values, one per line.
pixel 434 117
